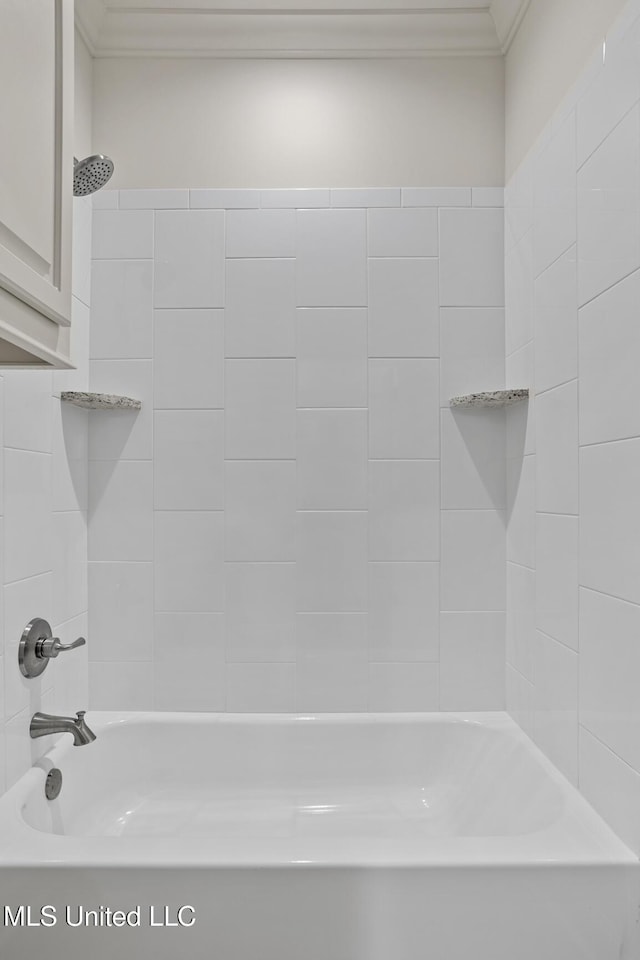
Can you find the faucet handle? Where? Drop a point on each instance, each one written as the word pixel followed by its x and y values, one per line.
pixel 38 646
pixel 52 646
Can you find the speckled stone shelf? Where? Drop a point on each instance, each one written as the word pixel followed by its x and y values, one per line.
pixel 490 398
pixel 100 401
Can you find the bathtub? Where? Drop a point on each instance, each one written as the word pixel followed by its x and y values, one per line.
pixel 330 837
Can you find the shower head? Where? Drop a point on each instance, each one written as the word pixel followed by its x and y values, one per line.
pixel 90 174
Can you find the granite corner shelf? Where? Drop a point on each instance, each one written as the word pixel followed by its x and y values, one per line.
pixel 99 401
pixel 490 398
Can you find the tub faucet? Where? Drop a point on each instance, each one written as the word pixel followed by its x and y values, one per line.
pixel 43 724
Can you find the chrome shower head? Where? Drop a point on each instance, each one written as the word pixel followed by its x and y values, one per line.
pixel 91 174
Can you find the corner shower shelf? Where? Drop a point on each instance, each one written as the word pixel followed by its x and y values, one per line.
pixel 99 401
pixel 491 398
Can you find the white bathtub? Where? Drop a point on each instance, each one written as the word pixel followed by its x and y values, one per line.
pixel 351 837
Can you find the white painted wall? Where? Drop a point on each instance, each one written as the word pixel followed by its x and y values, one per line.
pixel 296 123
pixel 572 335
pixel 554 42
pixel 83 98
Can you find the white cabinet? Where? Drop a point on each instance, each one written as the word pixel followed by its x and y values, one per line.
pixel 36 180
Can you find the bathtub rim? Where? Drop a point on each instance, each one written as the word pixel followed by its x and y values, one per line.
pixel 580 837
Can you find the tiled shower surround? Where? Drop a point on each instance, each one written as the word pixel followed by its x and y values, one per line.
pixel 296 520
pixel 573 335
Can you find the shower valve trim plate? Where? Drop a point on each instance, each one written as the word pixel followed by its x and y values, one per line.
pixel 38 646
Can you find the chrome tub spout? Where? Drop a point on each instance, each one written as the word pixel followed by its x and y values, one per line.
pixel 44 724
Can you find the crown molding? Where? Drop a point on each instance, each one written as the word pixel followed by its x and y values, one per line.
pixel 507 16
pixel 380 29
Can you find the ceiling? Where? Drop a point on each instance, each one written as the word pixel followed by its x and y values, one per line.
pixel 299 28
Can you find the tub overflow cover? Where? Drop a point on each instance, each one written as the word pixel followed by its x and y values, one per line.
pixel 53 784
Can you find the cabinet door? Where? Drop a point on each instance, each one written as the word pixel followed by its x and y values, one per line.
pixel 36 175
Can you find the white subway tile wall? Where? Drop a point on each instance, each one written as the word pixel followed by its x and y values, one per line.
pixel 44 503
pixel 572 219
pixel 274 510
